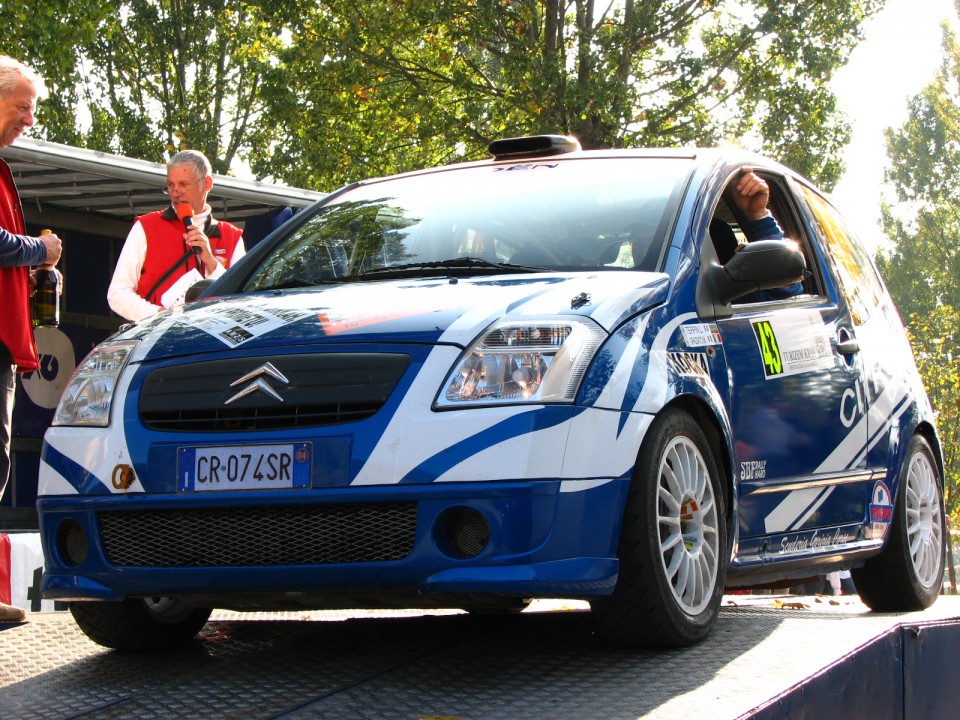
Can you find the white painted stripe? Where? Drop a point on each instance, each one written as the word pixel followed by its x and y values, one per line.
pixel 813 508
pixel 616 388
pixel 654 392
pixel 568 486
pixel 784 516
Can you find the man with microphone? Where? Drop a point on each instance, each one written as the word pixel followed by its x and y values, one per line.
pixel 168 250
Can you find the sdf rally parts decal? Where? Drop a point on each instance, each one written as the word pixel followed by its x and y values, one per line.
pixel 793 344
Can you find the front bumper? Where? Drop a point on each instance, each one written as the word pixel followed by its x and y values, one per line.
pixel 316 549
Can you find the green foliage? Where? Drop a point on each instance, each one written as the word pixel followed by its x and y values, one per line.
pixel 384 86
pixel 180 74
pixel 48 36
pixel 922 267
pixel 935 338
pixel 324 92
pixel 146 78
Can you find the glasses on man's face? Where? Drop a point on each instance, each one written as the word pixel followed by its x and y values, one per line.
pixel 181 187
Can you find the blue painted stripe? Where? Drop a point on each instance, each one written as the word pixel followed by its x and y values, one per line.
pixel 513 427
pixel 85 482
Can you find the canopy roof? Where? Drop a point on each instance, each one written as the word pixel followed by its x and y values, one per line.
pixel 61 177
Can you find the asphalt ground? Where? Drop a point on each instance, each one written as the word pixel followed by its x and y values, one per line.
pixel 544 663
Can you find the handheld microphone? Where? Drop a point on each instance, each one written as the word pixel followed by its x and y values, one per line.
pixel 185 213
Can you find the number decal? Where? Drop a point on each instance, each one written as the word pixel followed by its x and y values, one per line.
pixel 769 350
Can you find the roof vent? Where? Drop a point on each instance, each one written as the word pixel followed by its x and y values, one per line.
pixel 533 146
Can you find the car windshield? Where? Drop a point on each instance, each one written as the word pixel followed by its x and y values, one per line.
pixel 540 215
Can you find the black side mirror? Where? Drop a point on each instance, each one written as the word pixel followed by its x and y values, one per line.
pixel 760 265
pixel 197 289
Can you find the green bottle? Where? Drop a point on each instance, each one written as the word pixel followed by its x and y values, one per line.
pixel 46 295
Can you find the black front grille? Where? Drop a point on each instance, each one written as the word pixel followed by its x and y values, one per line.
pixel 269 536
pixel 319 389
pixel 284 418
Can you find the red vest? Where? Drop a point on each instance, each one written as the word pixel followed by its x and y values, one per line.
pixel 165 245
pixel 16 326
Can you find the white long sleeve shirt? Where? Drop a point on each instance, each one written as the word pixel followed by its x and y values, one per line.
pixel 122 294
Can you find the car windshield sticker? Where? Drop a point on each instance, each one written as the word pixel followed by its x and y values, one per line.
pixel 793 344
pixel 527 166
pixel 236 325
pixel 700 334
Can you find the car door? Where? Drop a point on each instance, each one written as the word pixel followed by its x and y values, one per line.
pixel 798 442
pixel 885 392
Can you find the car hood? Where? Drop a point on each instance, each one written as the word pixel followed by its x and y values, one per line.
pixel 430 310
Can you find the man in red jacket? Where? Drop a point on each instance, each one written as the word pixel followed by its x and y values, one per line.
pixel 155 268
pixel 20 87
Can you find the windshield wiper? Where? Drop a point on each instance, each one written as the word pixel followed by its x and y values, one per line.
pixel 461 263
pixel 301 282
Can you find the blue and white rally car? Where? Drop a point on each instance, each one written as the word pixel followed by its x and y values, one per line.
pixel 553 374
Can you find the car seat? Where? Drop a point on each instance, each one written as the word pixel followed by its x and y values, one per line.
pixel 724 240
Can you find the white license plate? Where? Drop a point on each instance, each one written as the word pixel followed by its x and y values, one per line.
pixel 244 467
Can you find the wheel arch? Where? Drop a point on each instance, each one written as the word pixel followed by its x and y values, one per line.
pixel 713 429
pixel 929 433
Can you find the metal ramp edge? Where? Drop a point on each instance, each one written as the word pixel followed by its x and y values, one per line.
pixel 896 676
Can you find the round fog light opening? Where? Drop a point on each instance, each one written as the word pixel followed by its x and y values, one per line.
pixel 72 545
pixel 462 533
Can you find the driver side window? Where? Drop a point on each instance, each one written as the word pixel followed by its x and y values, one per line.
pixel 731 229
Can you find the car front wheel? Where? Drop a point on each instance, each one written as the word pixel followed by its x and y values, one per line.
pixel 148 624
pixel 672 544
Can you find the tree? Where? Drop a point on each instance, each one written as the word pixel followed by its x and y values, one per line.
pixel 380 86
pixel 319 93
pixel 922 267
pixel 149 77
pixel 48 36
pixel 935 338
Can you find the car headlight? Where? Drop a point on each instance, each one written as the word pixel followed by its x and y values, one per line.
pixel 538 360
pixel 87 399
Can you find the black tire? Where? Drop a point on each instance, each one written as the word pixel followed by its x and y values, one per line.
pixel 673 543
pixel 908 573
pixel 153 624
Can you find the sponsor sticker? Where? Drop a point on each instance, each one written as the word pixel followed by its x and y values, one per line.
pixel 814 540
pixel 236 325
pixel 689 364
pixel 753 470
pixel 881 505
pixel 701 334
pixel 792 345
pixel 334 325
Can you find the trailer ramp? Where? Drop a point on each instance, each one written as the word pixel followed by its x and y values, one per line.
pixel 768 658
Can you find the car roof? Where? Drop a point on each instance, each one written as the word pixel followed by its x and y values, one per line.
pixel 705 158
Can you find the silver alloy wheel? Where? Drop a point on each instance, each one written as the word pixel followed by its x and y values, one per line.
pixel 167 610
pixel 924 529
pixel 688 525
